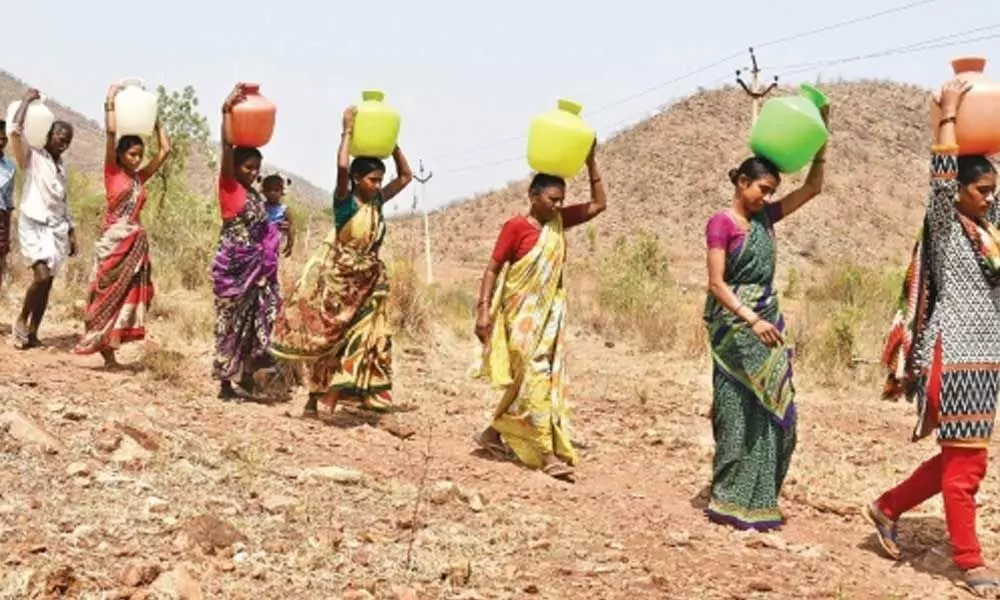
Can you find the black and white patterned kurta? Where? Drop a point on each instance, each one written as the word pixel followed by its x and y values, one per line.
pixel 965 318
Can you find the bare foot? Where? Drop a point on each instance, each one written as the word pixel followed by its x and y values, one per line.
pixel 490 436
pixel 228 393
pixel 311 409
pixel 111 361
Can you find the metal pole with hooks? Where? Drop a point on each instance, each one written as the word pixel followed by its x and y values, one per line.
pixel 753 90
pixel 423 179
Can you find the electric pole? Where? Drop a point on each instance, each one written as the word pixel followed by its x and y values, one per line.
pixel 423 179
pixel 753 90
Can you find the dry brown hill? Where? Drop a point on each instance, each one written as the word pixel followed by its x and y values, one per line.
pixel 667 175
pixel 87 150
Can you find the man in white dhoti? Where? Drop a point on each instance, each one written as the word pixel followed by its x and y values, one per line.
pixel 44 228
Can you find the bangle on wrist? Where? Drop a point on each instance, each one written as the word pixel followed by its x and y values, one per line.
pixel 951 119
pixel 109 107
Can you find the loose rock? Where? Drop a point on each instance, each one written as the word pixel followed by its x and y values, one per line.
pixel 157 505
pixel 78 469
pixel 208 534
pixel 141 574
pixel 333 473
pixel 278 503
pixel 177 585
pixel 28 432
pixel 129 451
pixel 442 492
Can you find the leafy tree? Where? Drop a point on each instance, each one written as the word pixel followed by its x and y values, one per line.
pixel 188 132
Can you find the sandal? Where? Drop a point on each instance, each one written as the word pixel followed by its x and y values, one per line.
pixel 977 585
pixel 381 403
pixel 495 450
pixel 558 471
pixel 885 531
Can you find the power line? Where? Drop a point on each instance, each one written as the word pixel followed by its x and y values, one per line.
pixel 774 42
pixel 897 49
pixel 848 22
pixel 476 167
pixel 707 67
pixel 611 130
pixel 692 73
pixel 909 49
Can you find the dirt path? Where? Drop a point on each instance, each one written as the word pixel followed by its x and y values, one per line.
pixel 135 460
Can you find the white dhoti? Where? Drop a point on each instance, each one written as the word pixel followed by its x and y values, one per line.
pixel 46 243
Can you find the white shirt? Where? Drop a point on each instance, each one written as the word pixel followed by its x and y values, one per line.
pixel 43 196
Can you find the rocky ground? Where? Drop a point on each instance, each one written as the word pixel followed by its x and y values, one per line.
pixel 126 485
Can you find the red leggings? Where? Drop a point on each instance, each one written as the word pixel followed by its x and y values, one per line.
pixel 955 473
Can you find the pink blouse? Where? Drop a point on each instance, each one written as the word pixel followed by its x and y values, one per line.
pixel 723 232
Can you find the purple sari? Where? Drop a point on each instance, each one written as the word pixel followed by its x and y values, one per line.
pixel 245 282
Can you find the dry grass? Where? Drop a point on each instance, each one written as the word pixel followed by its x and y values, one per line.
pixel 409 307
pixel 636 293
pixel 839 327
pixel 164 364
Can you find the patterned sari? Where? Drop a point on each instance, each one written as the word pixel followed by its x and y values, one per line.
pixel 121 287
pixel 525 354
pixel 753 411
pixel 336 318
pixel 245 282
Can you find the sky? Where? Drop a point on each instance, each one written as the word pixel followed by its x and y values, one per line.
pixel 467 76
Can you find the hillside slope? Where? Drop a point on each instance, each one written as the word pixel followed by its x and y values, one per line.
pixel 87 150
pixel 667 175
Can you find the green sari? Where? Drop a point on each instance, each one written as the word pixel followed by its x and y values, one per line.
pixel 753 410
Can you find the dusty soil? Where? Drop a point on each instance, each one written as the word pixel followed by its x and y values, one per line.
pixel 124 486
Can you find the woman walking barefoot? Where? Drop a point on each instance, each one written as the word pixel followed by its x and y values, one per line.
pixel 121 287
pixel 336 318
pixel 245 269
pixel 753 413
pixel 944 348
pixel 522 310
pixel 45 227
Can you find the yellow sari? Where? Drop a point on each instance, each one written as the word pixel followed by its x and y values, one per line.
pixel 524 356
pixel 336 318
